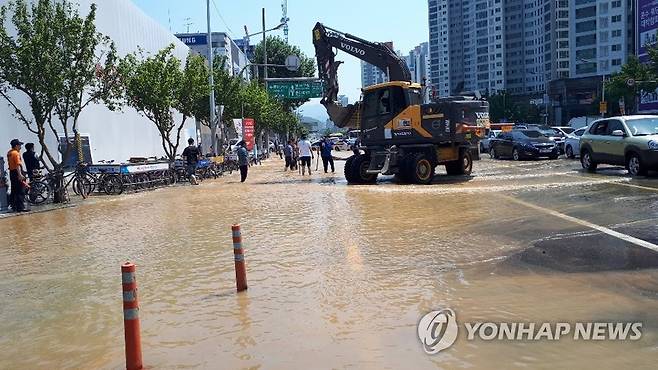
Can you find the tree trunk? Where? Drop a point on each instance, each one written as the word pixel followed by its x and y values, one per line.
pixel 213 138
pixel 221 137
pixel 59 191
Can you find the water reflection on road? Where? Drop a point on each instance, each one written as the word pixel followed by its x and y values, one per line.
pixel 338 275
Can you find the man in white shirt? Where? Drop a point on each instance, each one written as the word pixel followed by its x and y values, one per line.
pixel 305 154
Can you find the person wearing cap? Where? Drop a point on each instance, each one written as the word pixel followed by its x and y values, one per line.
pixel 17 196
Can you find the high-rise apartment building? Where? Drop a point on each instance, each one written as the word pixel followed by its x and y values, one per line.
pixel 599 36
pixel 418 62
pixel 440 76
pixel 556 45
pixel 524 46
pixel 371 75
pixel 467 46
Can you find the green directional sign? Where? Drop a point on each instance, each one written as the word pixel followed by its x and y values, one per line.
pixel 295 89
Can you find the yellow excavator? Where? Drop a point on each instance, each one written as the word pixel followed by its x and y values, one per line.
pixel 400 134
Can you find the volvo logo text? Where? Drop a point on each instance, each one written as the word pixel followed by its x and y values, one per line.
pixel 352 49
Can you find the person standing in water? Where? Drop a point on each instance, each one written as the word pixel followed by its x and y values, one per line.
pixel 326 146
pixel 305 154
pixel 243 160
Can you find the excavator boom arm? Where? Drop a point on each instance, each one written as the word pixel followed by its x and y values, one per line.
pixel 325 39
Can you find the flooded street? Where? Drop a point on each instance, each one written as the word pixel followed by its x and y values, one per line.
pixel 339 276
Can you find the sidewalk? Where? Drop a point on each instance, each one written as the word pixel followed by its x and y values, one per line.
pixel 37 209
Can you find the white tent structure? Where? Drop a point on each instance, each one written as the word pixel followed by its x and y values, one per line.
pixel 111 135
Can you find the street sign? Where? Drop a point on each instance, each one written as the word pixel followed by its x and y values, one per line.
pixel 293 63
pixel 603 107
pixel 249 133
pixel 291 89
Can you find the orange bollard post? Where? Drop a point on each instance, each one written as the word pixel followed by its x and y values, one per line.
pixel 131 318
pixel 240 267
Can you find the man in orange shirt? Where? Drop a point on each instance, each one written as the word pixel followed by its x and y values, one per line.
pixel 17 197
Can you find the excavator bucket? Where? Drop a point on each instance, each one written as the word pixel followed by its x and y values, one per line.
pixel 343 116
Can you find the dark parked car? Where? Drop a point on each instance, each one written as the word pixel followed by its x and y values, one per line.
pixel 552 133
pixel 520 144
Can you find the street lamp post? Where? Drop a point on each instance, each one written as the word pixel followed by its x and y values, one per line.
pixel 264 33
pixel 213 122
pixel 264 69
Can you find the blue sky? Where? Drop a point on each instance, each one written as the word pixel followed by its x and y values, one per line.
pixel 404 23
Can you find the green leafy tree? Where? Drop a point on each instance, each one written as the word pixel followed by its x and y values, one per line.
pixel 526 113
pixel 157 87
pixel 503 107
pixel 257 105
pixel 277 52
pixel 500 107
pixel 59 61
pixel 645 76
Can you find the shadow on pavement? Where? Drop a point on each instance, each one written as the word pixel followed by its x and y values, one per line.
pixel 587 253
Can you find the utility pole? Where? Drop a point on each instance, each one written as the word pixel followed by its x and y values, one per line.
pixel 603 95
pixel 264 49
pixel 213 123
pixel 264 74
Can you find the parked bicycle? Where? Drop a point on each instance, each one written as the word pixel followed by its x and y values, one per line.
pixel 39 191
pixel 57 183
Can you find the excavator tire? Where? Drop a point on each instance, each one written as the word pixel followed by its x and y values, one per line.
pixel 462 166
pixel 358 170
pixel 422 170
pixel 404 174
pixel 349 172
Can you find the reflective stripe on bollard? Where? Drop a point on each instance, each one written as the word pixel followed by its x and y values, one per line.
pixel 238 253
pixel 131 317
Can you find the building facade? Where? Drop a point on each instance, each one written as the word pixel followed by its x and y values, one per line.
pixel 418 61
pixel 523 46
pixel 246 47
pixel 223 46
pixel 111 135
pixel 599 37
pixel 467 46
pixel 441 35
pixel 371 75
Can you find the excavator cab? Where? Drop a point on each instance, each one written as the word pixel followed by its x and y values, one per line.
pixel 390 111
pixel 382 104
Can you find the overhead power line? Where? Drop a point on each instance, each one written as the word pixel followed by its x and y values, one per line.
pixel 228 29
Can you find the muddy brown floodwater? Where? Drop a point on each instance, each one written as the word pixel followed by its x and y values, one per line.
pixel 339 275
